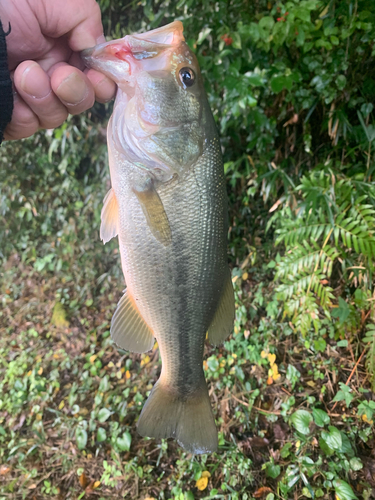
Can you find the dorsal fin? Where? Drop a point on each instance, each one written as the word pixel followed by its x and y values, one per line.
pixel 128 328
pixel 110 217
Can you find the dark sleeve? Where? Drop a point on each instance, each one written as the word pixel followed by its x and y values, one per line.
pixel 6 91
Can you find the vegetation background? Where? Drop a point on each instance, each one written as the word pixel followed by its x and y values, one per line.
pixel 292 86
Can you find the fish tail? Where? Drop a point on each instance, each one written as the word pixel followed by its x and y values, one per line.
pixel 189 419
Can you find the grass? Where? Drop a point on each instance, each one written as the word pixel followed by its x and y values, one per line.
pixel 295 415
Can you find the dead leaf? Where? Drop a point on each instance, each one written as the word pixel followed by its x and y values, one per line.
pixel 4 469
pixel 83 481
pixel 262 492
pixel 202 483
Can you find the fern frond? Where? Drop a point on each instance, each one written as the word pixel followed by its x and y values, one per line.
pixel 370 358
pixel 298 285
pixel 306 257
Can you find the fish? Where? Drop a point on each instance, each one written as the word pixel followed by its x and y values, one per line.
pixel 168 208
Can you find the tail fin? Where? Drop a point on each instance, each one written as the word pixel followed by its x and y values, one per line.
pixel 188 420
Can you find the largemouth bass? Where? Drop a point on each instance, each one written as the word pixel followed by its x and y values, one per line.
pixel 168 207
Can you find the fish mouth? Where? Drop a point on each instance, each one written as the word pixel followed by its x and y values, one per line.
pixel 118 59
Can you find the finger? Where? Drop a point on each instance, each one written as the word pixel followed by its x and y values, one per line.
pixel 73 88
pixel 80 20
pixel 34 87
pixel 24 121
pixel 104 88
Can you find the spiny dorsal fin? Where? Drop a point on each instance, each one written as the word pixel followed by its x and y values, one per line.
pixel 222 323
pixel 128 328
pixel 154 212
pixel 109 216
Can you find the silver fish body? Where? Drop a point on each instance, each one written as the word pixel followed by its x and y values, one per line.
pixel 168 207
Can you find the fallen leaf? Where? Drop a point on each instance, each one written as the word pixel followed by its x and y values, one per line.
pixel 262 492
pixel 4 469
pixel 59 316
pixel 96 484
pixel 202 483
pixel 83 480
pixel 271 358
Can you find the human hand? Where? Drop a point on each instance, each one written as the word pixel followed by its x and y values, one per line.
pixel 43 55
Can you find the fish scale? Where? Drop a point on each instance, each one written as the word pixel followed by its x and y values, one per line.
pixel 168 206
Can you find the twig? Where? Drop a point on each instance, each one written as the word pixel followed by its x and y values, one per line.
pixel 352 372
pixel 265 411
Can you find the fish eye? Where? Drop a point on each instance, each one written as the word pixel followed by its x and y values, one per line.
pixel 187 77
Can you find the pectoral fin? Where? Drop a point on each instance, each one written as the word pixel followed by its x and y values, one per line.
pixel 128 328
pixel 110 217
pixel 154 212
pixel 222 323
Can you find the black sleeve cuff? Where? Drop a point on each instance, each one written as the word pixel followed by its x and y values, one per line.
pixel 6 90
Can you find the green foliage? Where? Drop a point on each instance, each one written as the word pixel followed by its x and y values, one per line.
pixel 291 85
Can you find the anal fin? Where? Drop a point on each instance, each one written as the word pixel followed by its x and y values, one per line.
pixel 128 329
pixel 154 212
pixel 222 323
pixel 110 217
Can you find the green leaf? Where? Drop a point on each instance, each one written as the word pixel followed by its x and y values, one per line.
pixel 320 344
pixel 101 435
pixel 321 418
pixel 355 464
pixel 81 438
pixel 285 450
pixel 344 394
pixel 273 470
pixel 343 490
pixel 342 312
pixel 301 420
pixel 266 23
pixel 124 442
pixel 203 35
pixel 341 81
pixel 103 415
pixel 332 438
pixel 279 83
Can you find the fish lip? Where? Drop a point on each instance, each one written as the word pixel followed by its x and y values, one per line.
pixel 115 58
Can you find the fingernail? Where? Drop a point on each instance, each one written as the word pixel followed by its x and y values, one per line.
pixel 35 82
pixel 73 89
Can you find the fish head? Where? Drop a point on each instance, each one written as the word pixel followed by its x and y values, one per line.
pixel 161 116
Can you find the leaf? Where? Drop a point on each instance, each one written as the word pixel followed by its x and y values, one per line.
pixel 202 483
pixel 344 394
pixel 83 481
pixel 301 420
pixel 124 442
pixel 103 415
pixel 81 438
pixel 279 83
pixel 320 344
pixel 343 490
pixel 321 418
pixel 342 312
pixel 203 35
pixel 332 438
pixel 273 470
pixel 355 464
pixel 261 492
pixel 59 316
pixel 101 435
